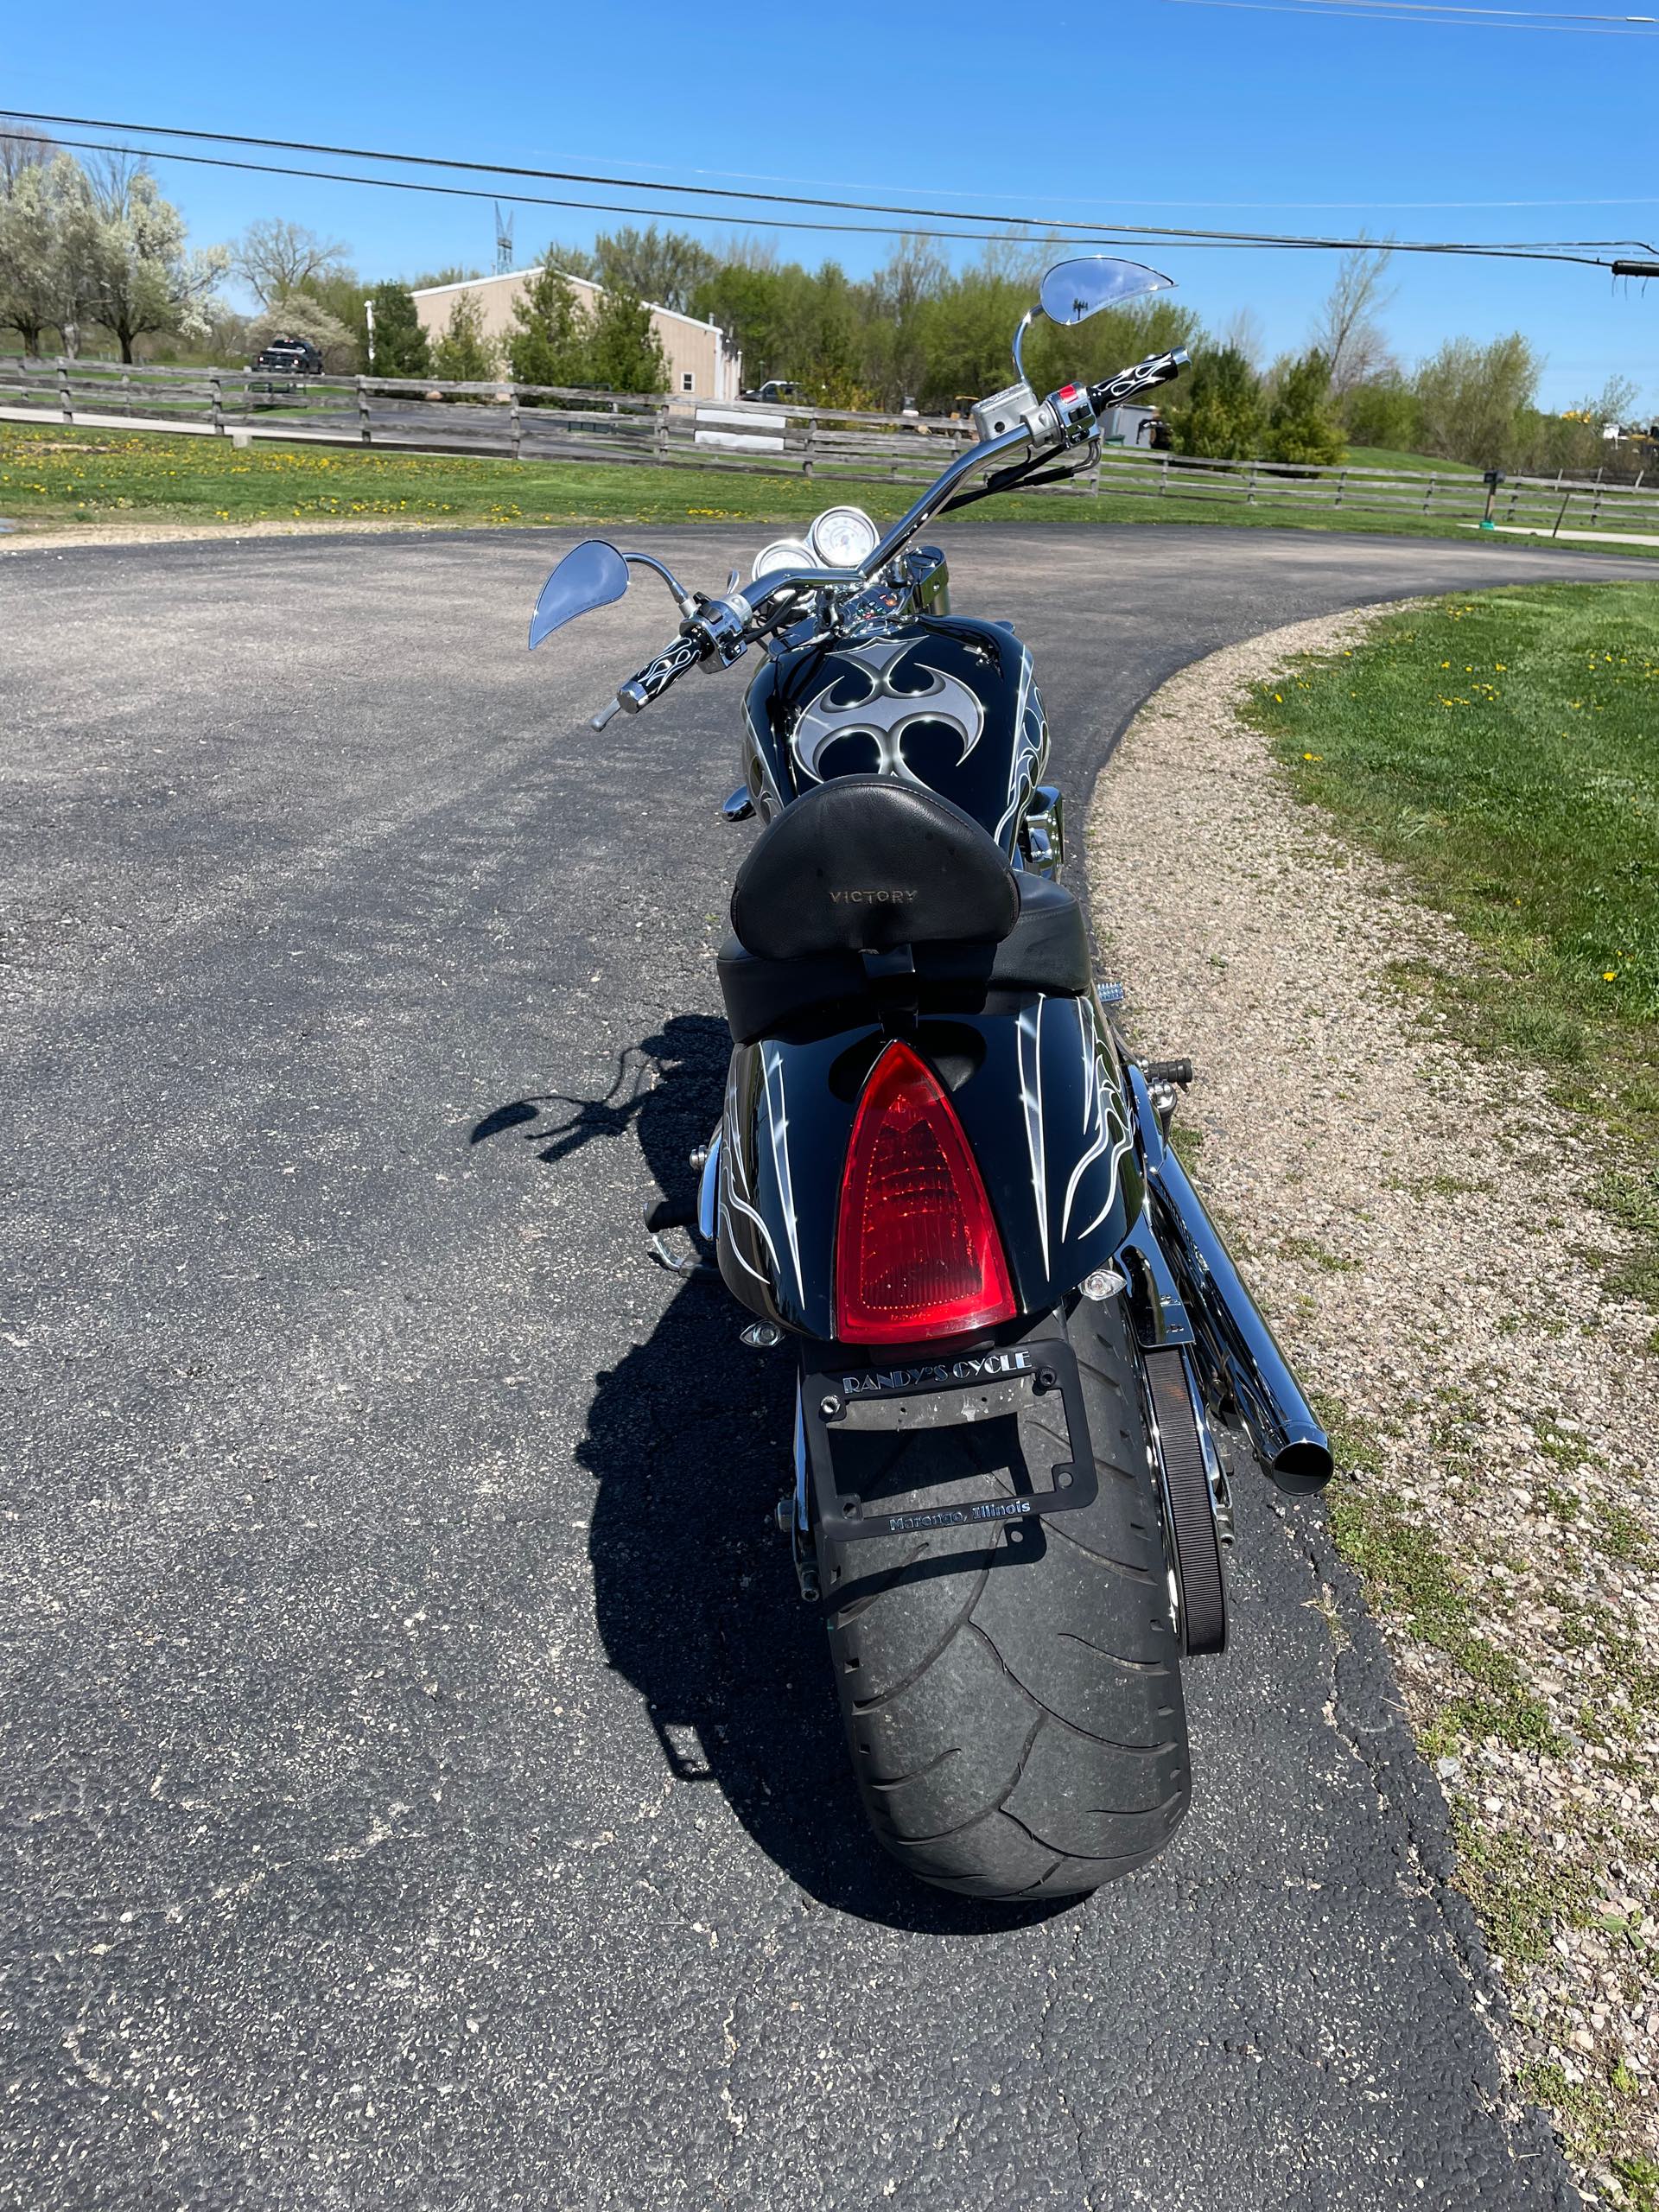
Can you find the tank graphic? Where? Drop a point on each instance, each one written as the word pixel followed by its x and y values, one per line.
pixel 947 702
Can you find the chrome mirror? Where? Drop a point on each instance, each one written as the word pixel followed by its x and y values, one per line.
pixel 591 575
pixel 1073 290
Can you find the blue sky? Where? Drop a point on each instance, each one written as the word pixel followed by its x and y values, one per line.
pixel 1236 117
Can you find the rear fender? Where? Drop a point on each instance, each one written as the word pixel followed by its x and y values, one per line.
pixel 1040 1091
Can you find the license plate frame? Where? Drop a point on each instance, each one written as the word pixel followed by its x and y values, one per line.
pixel 928 1393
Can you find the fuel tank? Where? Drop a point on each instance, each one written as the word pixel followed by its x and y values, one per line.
pixel 1040 1092
pixel 943 700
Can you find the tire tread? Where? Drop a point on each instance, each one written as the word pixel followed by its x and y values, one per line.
pixel 1049 1768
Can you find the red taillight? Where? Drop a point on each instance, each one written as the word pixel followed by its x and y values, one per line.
pixel 917 1252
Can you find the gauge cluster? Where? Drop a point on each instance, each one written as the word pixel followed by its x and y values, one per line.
pixel 840 537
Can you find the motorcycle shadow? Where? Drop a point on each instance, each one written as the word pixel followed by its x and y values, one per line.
pixel 689 1440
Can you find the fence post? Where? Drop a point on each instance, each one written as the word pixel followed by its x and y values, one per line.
pixel 1428 494
pixel 1163 477
pixel 218 405
pixel 1565 504
pixel 65 404
pixel 1249 489
pixel 126 392
pixel 1595 503
pixel 1342 480
pixel 363 412
pixel 517 428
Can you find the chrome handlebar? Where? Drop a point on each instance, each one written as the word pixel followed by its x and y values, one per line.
pixel 717 632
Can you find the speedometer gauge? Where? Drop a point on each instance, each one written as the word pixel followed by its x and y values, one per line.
pixel 782 553
pixel 844 538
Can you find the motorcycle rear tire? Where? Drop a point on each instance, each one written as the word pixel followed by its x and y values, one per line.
pixel 1012 1704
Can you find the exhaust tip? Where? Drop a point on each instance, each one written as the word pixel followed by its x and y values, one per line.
pixel 1303 1464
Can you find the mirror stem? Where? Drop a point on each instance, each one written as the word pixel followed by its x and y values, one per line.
pixel 1025 321
pixel 688 605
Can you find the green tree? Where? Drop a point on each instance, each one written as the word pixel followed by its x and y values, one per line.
pixel 464 354
pixel 624 352
pixel 1217 409
pixel 1476 400
pixel 965 329
pixel 1383 412
pixel 902 295
pixel 141 281
pixel 1302 426
pixel 751 305
pixel 663 266
pixel 551 343
pixel 400 344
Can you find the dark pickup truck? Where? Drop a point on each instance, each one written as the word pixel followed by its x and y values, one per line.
pixel 292 357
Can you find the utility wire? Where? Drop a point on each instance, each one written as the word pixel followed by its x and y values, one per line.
pixel 1255 206
pixel 1544 18
pixel 1570 250
pixel 1373 12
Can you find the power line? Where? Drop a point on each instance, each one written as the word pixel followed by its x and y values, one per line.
pixel 1542 18
pixel 1376 12
pixel 1319 207
pixel 1577 251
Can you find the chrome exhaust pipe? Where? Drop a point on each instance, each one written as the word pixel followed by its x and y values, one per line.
pixel 1289 1441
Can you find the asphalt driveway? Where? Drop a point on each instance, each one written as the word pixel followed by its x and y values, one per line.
pixel 420 1785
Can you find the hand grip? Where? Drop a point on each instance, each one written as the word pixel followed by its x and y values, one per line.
pixel 1157 369
pixel 656 676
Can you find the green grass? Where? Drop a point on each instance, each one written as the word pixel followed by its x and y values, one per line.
pixel 1503 750
pixel 1406 1573
pixel 55 475
pixel 1414 464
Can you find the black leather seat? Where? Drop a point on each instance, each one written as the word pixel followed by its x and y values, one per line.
pixel 863 863
pixel 867 886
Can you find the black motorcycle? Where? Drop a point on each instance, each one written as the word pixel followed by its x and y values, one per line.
pixel 1026 1366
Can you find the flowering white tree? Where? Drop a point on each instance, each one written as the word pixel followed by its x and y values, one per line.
pixel 48 223
pixel 142 280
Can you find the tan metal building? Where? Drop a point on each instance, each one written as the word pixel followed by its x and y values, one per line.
pixel 700 362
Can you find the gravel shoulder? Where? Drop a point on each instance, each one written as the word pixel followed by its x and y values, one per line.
pixel 56 537
pixel 1417 1224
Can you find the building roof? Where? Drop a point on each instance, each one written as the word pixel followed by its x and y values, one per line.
pixel 522 275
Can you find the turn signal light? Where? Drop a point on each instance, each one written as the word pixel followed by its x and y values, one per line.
pixel 917 1250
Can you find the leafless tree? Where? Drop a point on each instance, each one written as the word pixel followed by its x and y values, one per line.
pixel 276 258
pixel 1347 331
pixel 19 150
pixel 1243 332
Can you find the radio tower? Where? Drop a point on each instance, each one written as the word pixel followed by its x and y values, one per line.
pixel 503 241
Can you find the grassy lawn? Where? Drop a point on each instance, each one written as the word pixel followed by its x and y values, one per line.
pixel 53 475
pixel 1415 464
pixel 1503 749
